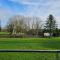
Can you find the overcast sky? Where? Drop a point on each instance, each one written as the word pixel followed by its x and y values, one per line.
pixel 41 8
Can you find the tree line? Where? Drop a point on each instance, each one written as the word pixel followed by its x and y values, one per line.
pixel 32 26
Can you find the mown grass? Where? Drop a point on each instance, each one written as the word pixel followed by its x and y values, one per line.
pixel 29 44
pixel 3 33
pixel 27 56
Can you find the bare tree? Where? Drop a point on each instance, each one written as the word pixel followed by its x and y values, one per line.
pixel 21 24
pixel 38 25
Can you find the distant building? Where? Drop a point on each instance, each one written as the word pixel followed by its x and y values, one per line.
pixel 47 34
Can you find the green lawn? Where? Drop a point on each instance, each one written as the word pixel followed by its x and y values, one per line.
pixel 3 33
pixel 30 44
pixel 27 56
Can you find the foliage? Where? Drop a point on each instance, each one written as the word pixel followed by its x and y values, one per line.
pixel 50 24
pixel 10 28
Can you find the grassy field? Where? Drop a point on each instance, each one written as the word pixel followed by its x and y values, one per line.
pixel 29 44
pixel 27 56
pixel 3 33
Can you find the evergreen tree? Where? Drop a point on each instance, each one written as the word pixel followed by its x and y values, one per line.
pixel 50 24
